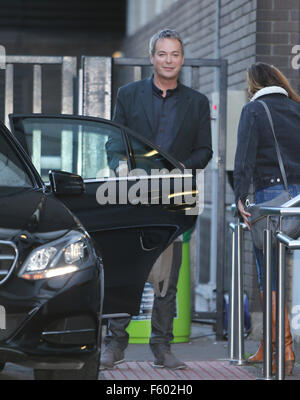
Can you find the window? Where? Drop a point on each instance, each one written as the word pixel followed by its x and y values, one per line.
pixel 148 159
pixel 12 171
pixel 88 148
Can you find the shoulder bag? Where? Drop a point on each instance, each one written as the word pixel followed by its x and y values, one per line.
pixel 258 223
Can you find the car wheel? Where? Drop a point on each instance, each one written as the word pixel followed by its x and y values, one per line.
pixel 2 365
pixel 89 371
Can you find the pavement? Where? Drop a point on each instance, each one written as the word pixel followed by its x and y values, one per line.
pixel 206 359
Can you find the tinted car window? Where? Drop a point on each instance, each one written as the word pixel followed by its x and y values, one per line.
pixel 90 149
pixel 13 173
pixel 148 159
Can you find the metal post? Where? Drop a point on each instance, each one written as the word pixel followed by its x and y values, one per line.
pixel 97 90
pixel 36 150
pixel 267 311
pixel 37 88
pixel 137 73
pixel 280 315
pixel 68 77
pixel 221 203
pixel 9 92
pixel 240 294
pixel 232 301
pixel 288 209
pixel 236 299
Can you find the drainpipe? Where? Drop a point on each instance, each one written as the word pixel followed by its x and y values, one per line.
pixel 214 209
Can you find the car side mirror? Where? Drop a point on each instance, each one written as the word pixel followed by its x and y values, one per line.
pixel 66 183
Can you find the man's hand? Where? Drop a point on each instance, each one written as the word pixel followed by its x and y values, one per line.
pixel 243 213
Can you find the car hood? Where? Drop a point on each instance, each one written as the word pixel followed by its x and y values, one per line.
pixel 35 213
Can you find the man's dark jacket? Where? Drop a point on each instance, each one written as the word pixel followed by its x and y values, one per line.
pixel 192 144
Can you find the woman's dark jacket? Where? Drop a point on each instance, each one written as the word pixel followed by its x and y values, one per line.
pixel 255 156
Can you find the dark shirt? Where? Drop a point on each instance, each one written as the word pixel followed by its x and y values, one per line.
pixel 164 112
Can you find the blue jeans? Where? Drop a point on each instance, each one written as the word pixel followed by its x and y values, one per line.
pixel 260 196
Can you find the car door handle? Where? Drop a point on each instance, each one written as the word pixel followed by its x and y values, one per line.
pixel 143 246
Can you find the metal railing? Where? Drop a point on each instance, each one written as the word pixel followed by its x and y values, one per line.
pixel 68 74
pixel 236 295
pixel 236 328
pixel 283 241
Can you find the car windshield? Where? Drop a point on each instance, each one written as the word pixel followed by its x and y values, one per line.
pixel 13 173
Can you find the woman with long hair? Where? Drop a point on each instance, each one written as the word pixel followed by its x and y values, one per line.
pixel 256 162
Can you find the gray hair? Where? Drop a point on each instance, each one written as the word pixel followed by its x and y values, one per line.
pixel 164 34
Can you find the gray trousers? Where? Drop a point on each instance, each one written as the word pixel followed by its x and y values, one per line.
pixel 163 312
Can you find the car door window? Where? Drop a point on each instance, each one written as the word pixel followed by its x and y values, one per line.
pixel 148 159
pixel 92 149
pixel 12 171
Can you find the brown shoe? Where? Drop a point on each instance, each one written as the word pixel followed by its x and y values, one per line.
pixel 289 355
pixel 258 356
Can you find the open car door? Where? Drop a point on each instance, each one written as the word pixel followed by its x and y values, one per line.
pixel 133 205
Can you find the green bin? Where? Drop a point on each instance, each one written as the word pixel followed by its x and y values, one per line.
pixel 139 328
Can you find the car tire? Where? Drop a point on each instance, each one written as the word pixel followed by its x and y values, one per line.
pixel 2 366
pixel 89 371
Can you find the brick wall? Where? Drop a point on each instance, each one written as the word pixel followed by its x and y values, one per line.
pixel 277 32
pixel 195 20
pixel 238 26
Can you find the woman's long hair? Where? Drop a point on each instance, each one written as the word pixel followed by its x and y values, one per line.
pixel 261 75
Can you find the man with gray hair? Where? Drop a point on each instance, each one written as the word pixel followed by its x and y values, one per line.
pixel 177 119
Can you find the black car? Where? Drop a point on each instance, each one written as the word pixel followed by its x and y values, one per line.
pixel 57 235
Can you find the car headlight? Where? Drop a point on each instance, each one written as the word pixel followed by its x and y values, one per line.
pixel 63 256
